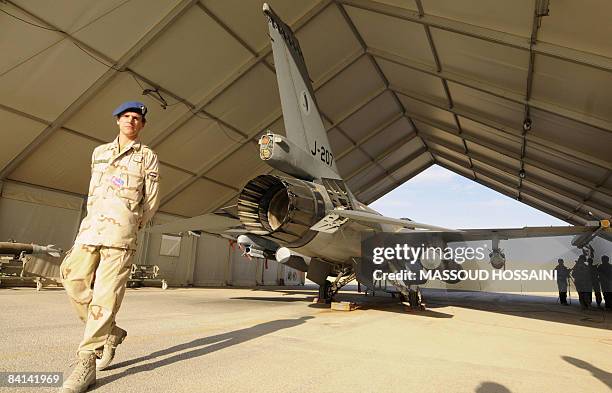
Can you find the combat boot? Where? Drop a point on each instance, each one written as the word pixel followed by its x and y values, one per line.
pixel 116 337
pixel 83 376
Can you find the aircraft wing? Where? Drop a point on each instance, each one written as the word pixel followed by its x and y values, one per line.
pixel 378 223
pixel 525 232
pixel 211 223
pixel 367 217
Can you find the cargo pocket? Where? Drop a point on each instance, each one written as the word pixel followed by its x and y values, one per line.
pixel 64 263
pixel 130 198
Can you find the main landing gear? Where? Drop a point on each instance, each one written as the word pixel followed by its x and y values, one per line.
pixel 328 290
pixel 325 293
pixel 414 299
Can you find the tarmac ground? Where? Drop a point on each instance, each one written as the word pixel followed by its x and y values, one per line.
pixel 277 340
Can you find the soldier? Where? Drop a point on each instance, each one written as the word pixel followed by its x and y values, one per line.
pixel 562 277
pixel 605 277
pixel 123 197
pixel 582 279
pixel 595 281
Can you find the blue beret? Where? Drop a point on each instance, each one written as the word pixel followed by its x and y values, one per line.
pixel 132 106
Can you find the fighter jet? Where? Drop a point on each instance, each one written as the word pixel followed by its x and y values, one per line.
pixel 309 219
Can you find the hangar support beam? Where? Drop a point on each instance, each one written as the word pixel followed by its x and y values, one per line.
pixel 449 97
pixel 534 163
pixel 375 186
pixel 540 205
pixel 509 154
pixel 542 144
pixel 407 139
pixel 494 90
pixel 533 202
pixel 535 26
pixel 226 84
pixel 601 183
pixel 394 168
pixel 377 130
pixel 357 108
pixel 210 165
pixel 529 184
pixel 530 193
pixel 510 40
pixel 23 114
pixel 190 181
pixel 370 158
pixel 371 135
pixel 99 84
pixel 374 63
pixel 538 182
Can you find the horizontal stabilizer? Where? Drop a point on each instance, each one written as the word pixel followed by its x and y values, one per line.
pixel 371 218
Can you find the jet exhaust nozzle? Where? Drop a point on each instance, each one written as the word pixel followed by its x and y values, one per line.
pixel 281 209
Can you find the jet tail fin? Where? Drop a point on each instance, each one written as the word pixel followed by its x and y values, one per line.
pixel 303 123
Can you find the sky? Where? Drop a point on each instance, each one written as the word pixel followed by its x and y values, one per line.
pixel 440 197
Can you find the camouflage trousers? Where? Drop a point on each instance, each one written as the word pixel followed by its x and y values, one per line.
pixel 95 278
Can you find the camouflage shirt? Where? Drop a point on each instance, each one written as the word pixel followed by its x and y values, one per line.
pixel 123 195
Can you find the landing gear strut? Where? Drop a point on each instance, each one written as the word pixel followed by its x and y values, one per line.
pixel 328 290
pixel 414 298
pixel 325 292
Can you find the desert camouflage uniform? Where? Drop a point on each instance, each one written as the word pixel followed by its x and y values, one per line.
pixel 123 196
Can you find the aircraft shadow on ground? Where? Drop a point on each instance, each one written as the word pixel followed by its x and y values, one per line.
pixel 491 387
pixel 197 348
pixel 542 308
pixel 387 304
pixel 365 302
pixel 598 373
pixel 275 299
pixel 525 306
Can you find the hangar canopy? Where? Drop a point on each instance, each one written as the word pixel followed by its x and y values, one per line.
pixel 402 85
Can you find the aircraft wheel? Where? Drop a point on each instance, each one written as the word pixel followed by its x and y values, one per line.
pixel 325 292
pixel 415 300
pixel 39 285
pixel 164 285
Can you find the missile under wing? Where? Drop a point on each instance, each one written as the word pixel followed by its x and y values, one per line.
pixel 10 248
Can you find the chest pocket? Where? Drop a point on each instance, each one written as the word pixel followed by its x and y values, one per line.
pixel 96 185
pixel 132 173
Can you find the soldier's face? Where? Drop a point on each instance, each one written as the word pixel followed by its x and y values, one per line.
pixel 130 124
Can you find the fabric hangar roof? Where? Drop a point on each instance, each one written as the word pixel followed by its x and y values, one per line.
pixel 516 96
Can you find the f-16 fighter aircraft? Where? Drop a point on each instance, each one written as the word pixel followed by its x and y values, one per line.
pixel 309 219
